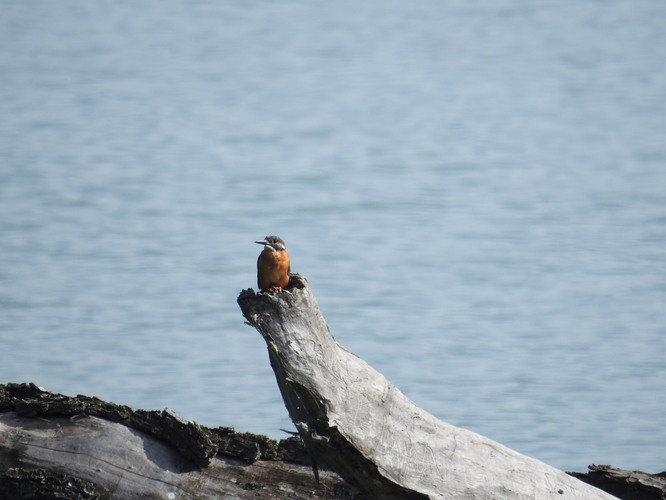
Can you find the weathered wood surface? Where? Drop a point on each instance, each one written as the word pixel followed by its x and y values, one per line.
pixel 50 445
pixel 360 425
pixel 625 484
pixel 353 420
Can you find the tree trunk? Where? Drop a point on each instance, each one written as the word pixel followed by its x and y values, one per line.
pixel 55 446
pixel 625 484
pixel 350 417
pixel 92 458
pixel 358 424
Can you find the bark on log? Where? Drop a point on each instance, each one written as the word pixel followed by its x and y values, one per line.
pixel 357 423
pixel 352 419
pixel 54 446
pixel 625 484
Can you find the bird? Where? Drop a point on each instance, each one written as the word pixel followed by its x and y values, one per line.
pixel 273 265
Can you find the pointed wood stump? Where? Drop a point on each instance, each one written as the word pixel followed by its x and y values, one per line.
pixel 357 423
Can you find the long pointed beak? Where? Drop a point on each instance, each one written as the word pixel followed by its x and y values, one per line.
pixel 262 242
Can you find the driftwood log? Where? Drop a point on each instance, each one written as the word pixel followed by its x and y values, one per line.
pixel 351 419
pixel 55 446
pixel 361 426
pixel 625 484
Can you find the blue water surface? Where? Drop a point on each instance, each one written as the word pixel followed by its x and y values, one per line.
pixel 476 192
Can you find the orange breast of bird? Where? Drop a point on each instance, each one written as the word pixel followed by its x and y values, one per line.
pixel 273 270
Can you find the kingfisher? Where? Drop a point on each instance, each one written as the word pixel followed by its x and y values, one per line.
pixel 273 265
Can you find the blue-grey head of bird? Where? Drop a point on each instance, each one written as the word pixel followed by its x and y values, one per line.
pixel 272 243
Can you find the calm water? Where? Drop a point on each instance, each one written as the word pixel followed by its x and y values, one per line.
pixel 476 192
